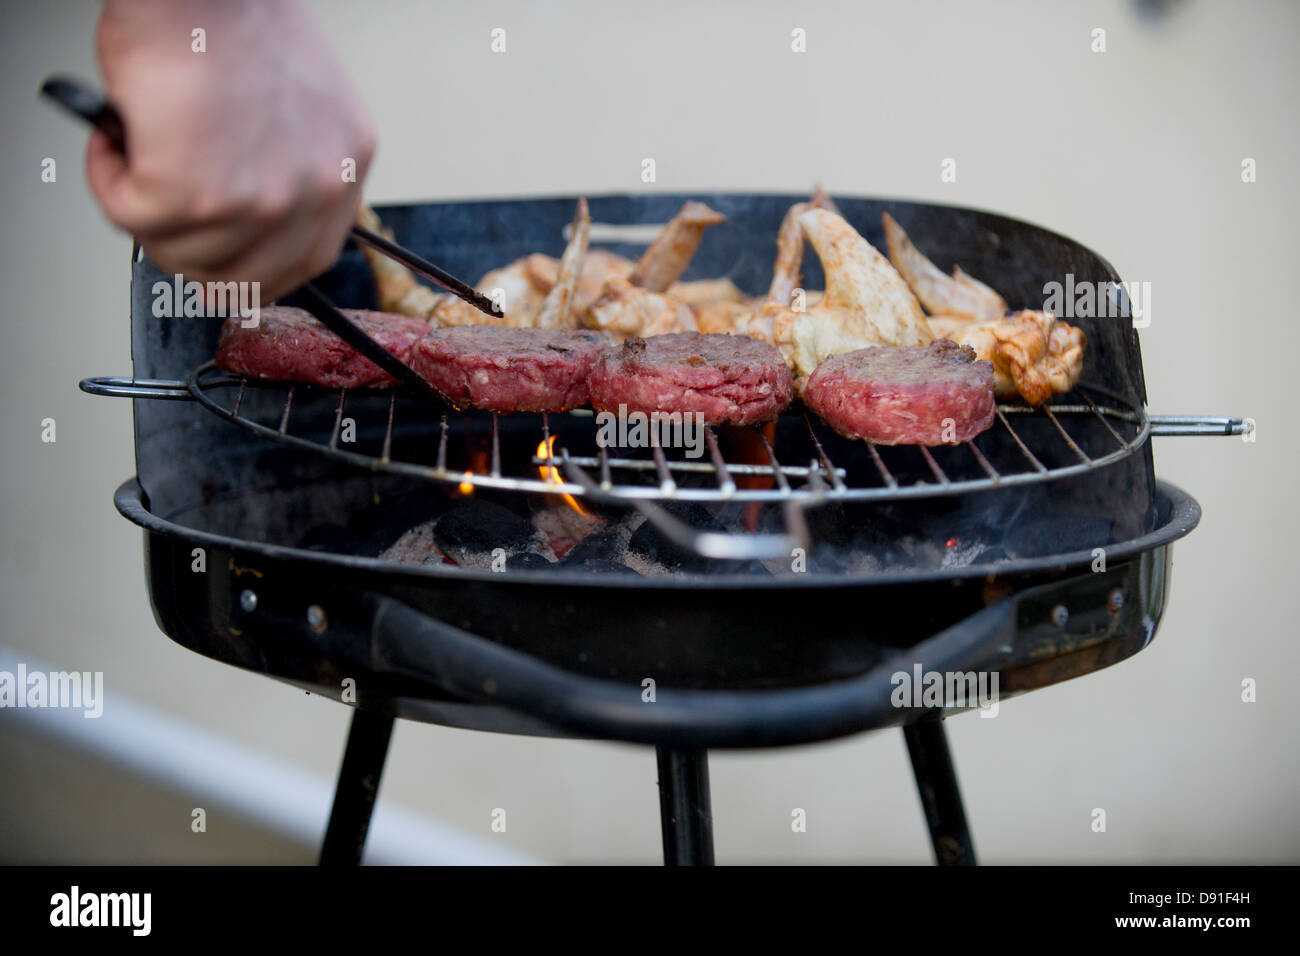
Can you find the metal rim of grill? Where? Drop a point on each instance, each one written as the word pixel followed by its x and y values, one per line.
pixel 819 480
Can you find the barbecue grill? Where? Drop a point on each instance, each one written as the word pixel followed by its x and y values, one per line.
pixel 787 575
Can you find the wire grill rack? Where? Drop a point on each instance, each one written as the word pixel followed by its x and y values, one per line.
pixel 607 473
pixel 1086 431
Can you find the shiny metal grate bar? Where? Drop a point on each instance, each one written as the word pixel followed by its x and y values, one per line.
pixel 862 474
pixel 1033 460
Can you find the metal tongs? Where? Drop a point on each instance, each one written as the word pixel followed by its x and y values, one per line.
pixel 87 103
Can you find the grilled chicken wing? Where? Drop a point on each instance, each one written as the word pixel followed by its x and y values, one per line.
pixel 1034 355
pixel 557 311
pixel 700 293
pixel 626 310
pixel 757 319
pixel 641 304
pixel 956 295
pixel 598 268
pixel 602 265
pixel 671 252
pixel 866 301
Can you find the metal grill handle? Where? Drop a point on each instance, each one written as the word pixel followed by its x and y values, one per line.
pixel 1199 425
pixel 117 386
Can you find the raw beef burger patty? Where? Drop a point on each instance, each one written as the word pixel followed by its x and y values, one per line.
pixel 509 370
pixel 290 345
pixel 902 396
pixel 729 379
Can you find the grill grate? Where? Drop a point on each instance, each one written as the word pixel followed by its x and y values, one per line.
pixel 1094 435
pixel 1001 457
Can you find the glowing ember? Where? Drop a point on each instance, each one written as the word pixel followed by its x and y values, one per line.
pixel 467 487
pixel 551 474
pixel 953 542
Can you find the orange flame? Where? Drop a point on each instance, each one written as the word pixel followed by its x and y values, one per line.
pixel 466 487
pixel 551 474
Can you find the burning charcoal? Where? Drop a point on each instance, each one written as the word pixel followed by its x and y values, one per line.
pixel 607 546
pixel 564 525
pixel 528 561
pixel 472 530
pixel 416 546
pixel 649 544
pixel 598 566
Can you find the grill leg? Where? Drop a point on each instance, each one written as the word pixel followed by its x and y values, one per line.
pixel 354 797
pixel 684 811
pixel 936 779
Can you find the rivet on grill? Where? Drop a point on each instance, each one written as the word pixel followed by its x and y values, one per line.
pixel 316 618
pixel 248 601
pixel 1060 615
pixel 1116 601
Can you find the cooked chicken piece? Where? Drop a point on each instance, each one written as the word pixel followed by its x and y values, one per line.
pixel 1034 354
pixel 956 295
pixel 705 292
pixel 722 316
pixel 510 287
pixel 396 285
pixel 600 266
pixel 639 304
pixel 557 311
pixel 757 319
pixel 625 310
pixel 718 303
pixel 399 291
pixel 821 199
pixel 671 252
pixel 866 301
pixel 603 265
pixel 789 255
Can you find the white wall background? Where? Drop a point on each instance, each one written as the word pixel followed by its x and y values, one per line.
pixel 1135 152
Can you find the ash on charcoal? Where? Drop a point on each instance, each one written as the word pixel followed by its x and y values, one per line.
pixel 603 551
pixel 648 545
pixel 471 530
pixel 563 526
pixel 414 547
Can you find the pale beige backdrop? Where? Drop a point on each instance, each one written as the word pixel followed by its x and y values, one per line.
pixel 1136 151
